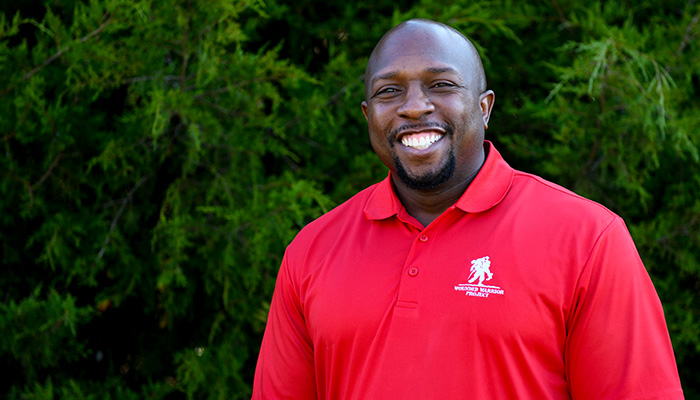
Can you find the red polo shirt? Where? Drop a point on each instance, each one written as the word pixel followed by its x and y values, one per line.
pixel 520 290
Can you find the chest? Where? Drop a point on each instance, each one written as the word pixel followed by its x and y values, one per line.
pixel 502 284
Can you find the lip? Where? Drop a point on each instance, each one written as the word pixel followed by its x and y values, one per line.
pixel 415 152
pixel 421 130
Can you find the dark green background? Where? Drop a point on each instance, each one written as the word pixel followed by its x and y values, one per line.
pixel 156 157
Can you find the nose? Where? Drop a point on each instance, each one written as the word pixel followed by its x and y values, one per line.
pixel 416 103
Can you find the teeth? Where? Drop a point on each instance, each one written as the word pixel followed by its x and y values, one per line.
pixel 421 143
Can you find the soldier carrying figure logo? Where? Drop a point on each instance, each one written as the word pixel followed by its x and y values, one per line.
pixel 479 270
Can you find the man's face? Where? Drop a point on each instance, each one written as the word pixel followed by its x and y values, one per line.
pixel 424 109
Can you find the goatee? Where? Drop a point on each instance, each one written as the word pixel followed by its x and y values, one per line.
pixel 429 180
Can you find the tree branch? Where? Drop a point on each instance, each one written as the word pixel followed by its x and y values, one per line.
pixel 53 165
pixel 562 17
pixel 26 184
pixel 107 18
pixel 688 37
pixel 185 58
pixel 113 225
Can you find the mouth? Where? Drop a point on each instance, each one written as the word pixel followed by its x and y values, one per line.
pixel 420 140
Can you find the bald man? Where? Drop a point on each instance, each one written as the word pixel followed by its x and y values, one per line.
pixel 458 276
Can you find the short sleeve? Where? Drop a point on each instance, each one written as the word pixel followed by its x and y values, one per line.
pixel 285 368
pixel 618 345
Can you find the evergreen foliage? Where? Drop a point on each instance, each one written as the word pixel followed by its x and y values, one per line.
pixel 156 157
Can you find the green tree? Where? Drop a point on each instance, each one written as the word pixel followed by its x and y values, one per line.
pixel 147 198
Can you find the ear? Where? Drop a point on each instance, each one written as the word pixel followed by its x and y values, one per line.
pixel 486 100
pixel 364 108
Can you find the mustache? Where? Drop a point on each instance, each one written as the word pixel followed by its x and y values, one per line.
pixel 394 133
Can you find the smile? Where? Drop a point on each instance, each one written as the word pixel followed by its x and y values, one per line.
pixel 422 140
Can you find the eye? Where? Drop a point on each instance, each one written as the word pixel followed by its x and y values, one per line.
pixel 387 90
pixel 443 85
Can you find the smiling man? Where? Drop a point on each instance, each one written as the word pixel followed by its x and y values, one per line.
pixel 457 276
pixel 427 107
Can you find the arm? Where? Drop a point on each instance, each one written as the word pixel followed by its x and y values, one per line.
pixel 285 368
pixel 617 342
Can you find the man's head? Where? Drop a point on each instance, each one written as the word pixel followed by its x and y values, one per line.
pixel 427 105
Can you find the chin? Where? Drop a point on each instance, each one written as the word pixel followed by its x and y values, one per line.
pixel 428 180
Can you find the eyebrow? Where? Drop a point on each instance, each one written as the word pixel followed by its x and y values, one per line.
pixel 393 74
pixel 437 70
pixel 388 75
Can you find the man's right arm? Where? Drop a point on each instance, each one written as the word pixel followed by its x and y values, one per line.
pixel 285 368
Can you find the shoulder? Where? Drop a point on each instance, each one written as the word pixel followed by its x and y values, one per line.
pixel 330 226
pixel 536 194
pixel 548 216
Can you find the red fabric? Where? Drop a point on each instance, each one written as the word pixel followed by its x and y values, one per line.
pixel 371 305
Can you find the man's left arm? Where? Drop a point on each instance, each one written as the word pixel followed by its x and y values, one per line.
pixel 617 343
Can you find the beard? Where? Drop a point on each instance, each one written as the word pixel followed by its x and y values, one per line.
pixel 429 180
pixel 432 179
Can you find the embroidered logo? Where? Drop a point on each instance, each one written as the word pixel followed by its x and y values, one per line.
pixel 479 273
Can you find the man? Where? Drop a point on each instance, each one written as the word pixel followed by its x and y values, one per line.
pixel 377 299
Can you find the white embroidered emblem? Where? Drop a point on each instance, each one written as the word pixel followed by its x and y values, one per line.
pixel 479 272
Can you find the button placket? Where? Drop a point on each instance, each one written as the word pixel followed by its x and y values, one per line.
pixel 411 283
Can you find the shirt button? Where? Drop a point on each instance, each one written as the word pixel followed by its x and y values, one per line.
pixel 423 238
pixel 413 271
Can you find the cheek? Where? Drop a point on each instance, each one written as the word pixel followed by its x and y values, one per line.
pixel 379 126
pixel 466 119
pixel 381 109
pixel 381 146
pixel 375 142
pixel 378 140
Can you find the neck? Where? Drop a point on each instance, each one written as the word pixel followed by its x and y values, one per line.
pixel 425 206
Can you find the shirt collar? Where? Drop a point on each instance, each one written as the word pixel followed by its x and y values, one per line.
pixel 487 189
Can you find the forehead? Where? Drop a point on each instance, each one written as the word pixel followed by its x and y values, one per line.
pixel 423 48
